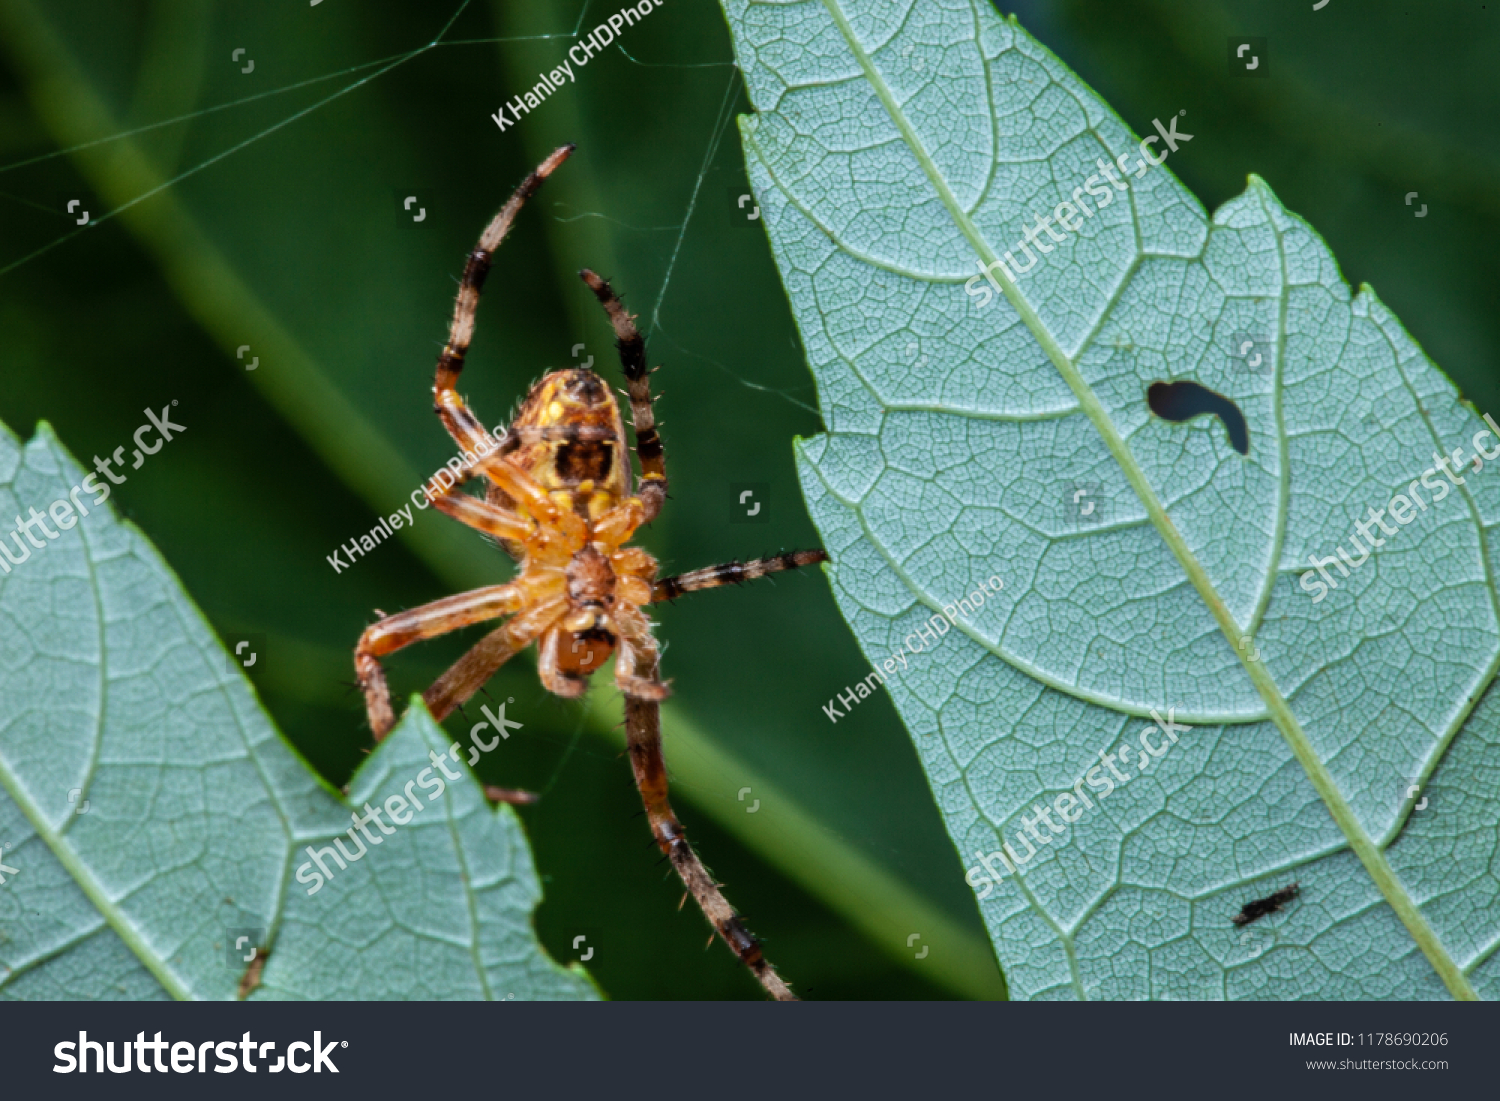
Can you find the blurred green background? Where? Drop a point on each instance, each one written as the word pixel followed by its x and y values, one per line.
pixel 277 222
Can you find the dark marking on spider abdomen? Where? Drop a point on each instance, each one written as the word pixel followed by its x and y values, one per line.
pixel 585 460
pixel 583 437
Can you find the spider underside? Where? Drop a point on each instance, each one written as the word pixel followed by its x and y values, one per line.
pixel 559 501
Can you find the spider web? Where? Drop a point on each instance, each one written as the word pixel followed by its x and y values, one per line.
pixel 366 72
pixel 351 79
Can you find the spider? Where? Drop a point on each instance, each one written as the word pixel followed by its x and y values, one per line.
pixel 559 501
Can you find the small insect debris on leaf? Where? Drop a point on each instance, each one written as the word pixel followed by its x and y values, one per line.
pixel 251 978
pixel 1271 904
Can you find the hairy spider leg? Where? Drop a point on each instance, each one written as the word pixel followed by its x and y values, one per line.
pixel 652 489
pixel 461 424
pixel 637 651
pixel 732 573
pixel 469 673
pixel 636 669
pixel 643 736
pixel 485 517
pixel 429 621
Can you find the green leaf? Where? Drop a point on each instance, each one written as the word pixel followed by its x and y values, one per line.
pixel 153 815
pixel 899 147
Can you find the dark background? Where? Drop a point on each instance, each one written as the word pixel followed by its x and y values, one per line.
pixel 820 1051
pixel 277 223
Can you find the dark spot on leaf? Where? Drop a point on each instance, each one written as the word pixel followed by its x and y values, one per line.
pixel 1271 904
pixel 1181 401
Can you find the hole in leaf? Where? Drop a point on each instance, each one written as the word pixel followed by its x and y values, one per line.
pixel 1181 401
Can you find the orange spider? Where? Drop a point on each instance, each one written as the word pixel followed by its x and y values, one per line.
pixel 559 502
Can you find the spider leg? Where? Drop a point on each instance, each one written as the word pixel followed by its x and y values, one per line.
pixel 643 736
pixel 732 573
pixel 519 489
pixel 460 422
pixel 484 517
pixel 652 489
pixel 457 418
pixel 637 664
pixel 430 620
pixel 616 526
pixel 514 796
pixel 566 685
pixel 496 514
pixel 469 673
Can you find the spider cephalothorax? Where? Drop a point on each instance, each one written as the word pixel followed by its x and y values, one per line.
pixel 559 500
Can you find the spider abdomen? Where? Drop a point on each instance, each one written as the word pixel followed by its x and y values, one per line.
pixel 576 445
pixel 582 652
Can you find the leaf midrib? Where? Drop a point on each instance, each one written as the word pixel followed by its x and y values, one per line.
pixel 1280 711
pixel 93 889
pixel 61 848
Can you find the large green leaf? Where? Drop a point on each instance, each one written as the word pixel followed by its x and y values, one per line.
pixel 153 815
pixel 898 146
